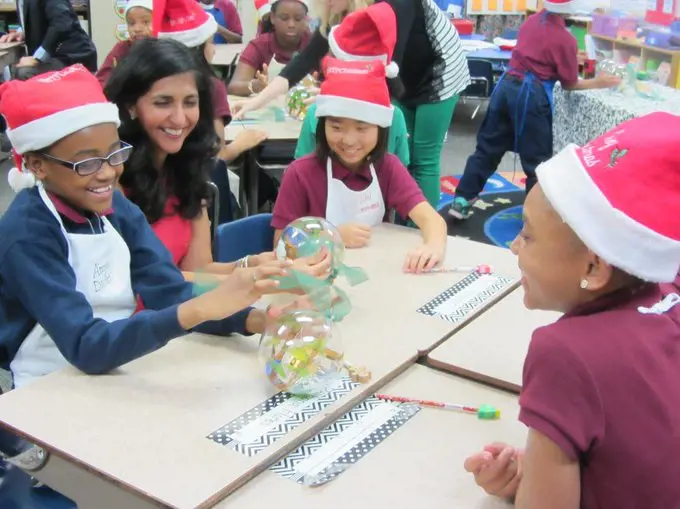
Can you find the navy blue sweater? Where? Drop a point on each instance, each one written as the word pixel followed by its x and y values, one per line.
pixel 38 285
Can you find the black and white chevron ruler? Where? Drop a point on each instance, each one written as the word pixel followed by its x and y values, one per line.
pixel 344 442
pixel 466 297
pixel 272 419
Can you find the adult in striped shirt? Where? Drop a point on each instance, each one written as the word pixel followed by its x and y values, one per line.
pixel 432 71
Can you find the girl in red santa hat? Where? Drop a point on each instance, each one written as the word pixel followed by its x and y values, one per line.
pixel 600 391
pixel 351 180
pixel 75 251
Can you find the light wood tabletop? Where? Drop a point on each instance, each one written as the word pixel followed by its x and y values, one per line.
pixel 419 465
pixel 272 119
pixel 226 54
pixel 143 428
pixel 493 349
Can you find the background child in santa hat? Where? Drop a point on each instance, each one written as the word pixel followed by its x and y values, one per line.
pixel 75 251
pixel 372 24
pixel 601 386
pixel 350 179
pixel 138 20
pixel 287 32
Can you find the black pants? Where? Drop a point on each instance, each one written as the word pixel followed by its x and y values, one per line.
pixel 518 118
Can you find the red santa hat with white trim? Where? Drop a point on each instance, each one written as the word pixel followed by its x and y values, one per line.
pixel 144 4
pixel 263 7
pixel 560 6
pixel 184 21
pixel 355 90
pixel 620 194
pixel 41 111
pixel 368 34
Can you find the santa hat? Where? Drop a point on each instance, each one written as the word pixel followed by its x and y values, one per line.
pixel 621 195
pixel 144 4
pixel 184 21
pixel 560 6
pixel 368 34
pixel 41 111
pixel 262 7
pixel 355 90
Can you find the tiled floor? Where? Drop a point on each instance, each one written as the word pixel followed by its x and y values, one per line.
pixel 459 145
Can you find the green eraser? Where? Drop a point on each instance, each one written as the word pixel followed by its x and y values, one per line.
pixel 488 413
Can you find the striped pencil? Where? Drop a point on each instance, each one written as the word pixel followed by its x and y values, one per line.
pixel 484 412
pixel 482 269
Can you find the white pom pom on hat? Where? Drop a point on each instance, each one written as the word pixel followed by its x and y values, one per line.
pixel 19 180
pixel 392 70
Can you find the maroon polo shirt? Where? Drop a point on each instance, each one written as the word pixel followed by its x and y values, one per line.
pixel 304 188
pixel 603 383
pixel 547 49
pixel 70 212
pixel 261 50
pixel 115 56
pixel 219 98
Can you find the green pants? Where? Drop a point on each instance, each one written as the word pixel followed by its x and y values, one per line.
pixel 427 125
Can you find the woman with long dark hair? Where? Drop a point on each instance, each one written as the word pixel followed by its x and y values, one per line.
pixel 166 110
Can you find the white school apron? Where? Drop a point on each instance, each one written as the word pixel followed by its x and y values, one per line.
pixel 101 263
pixel 346 206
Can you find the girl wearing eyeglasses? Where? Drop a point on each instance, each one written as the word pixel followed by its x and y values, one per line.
pixel 75 252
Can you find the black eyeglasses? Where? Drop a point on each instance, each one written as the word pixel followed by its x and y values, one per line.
pixel 94 164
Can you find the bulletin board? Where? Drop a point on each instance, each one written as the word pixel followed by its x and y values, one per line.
pixel 502 7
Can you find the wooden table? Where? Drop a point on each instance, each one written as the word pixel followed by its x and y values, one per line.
pixel 11 52
pixel 493 348
pixel 137 437
pixel 279 128
pixel 226 54
pixel 143 428
pixel 419 465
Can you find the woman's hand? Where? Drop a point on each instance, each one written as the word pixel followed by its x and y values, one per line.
pixel 424 258
pixel 497 469
pixel 262 258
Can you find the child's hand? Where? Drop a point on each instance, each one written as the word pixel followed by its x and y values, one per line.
pixel 262 76
pixel 249 138
pixel 497 469
pixel 318 265
pixel 425 257
pixel 355 235
pixel 244 287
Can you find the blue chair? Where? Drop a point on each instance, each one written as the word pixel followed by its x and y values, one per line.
pixel 481 76
pixel 247 236
pixel 16 492
pixel 510 33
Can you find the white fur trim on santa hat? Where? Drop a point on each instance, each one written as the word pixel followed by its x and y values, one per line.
pixel 43 132
pixel 340 54
pixel 344 107
pixel 560 7
pixel 608 232
pixel 264 10
pixel 194 37
pixel 19 180
pixel 144 4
